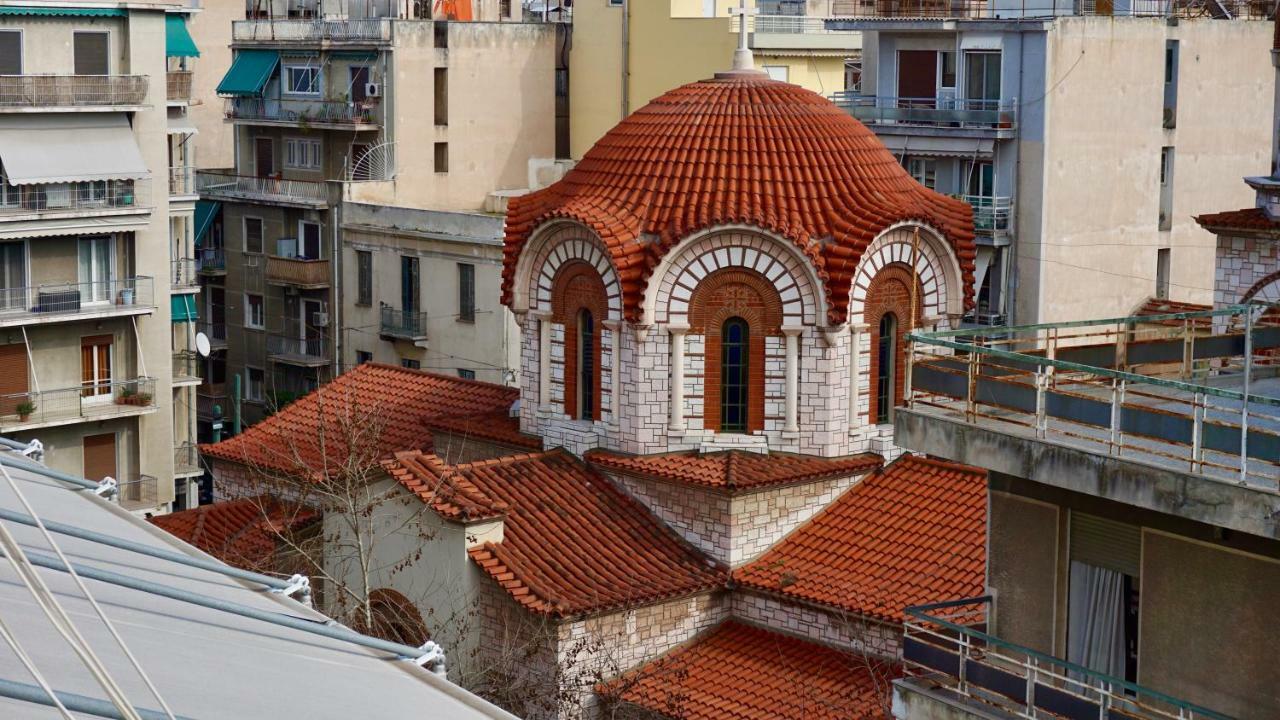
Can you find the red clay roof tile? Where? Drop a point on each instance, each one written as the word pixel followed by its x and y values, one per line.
pixel 499 427
pixel 911 534
pixel 734 468
pixel 243 532
pixel 737 671
pixel 739 150
pixel 1254 219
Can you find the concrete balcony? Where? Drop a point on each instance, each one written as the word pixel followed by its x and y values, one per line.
pixel 991 214
pixel 183 277
pixel 101 198
pixel 67 302
pixel 211 261
pixel 304 31
pixel 86 402
pixel 957 117
pixel 216 332
pixel 314 350
pixel 297 272
pixel 178 87
pixel 182 181
pixel 403 325
pixel 224 185
pixel 186 460
pixel 138 492
pixel 72 93
pixel 209 395
pixel 187 368
pixel 319 114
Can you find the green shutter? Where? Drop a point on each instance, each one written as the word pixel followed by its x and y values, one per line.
pixel 63 11
pixel 206 211
pixel 177 41
pixel 249 73
pixel 184 308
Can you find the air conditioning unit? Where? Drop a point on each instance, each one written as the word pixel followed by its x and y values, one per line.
pixel 372 89
pixel 320 319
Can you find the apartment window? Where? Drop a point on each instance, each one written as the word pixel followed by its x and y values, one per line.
pixel 735 344
pixel 1170 60
pixel 924 170
pixel 777 72
pixel 363 356
pixel 466 292
pixel 13 276
pixel 466 374
pixel 615 3
pixel 1170 84
pixel 410 287
pixel 441 89
pixel 853 75
pixel 92 53
pixel 10 195
pixel 302 80
pixel 10 52
pixel 981 179
pixel 504 8
pixel 302 154
pixel 309 240
pixel 95 367
pixel 410 364
pixel 947 69
pixel 1166 188
pixel 982 77
pixel 442 157
pixel 364 277
pixel 253 311
pixel 1164 257
pixel 254 380
pixel 441 31
pixel 886 366
pixel 253 235
pixel 1103 581
pixel 94 268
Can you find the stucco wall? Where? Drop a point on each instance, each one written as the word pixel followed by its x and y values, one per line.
pixel 211 30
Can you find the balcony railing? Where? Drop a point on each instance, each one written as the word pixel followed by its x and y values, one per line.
pixel 20 92
pixel 86 401
pixel 215 331
pixel 182 274
pixel 403 323
pixel 374 30
pixel 266 189
pixel 990 213
pixel 186 366
pixel 72 198
pixel 25 304
pixel 209 395
pixel 138 492
pixel 948 644
pixel 929 112
pixel 211 261
pixel 290 348
pixel 302 112
pixel 186 458
pixel 297 271
pixel 178 85
pixel 182 180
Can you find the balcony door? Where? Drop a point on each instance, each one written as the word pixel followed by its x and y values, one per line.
pixel 359 81
pixel 264 157
pixel 917 78
pixel 100 456
pixel 13 277
pixel 982 79
pixel 410 286
pixel 94 269
pixel 309 240
pixel 95 368
pixel 312 332
pixel 14 380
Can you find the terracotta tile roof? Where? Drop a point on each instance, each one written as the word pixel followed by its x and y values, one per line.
pixel 1254 219
pixel 741 672
pixel 497 427
pixel 572 542
pixel 739 150
pixel 911 534
pixel 734 468
pixel 1158 306
pixel 243 532
pixel 383 407
pixel 439 485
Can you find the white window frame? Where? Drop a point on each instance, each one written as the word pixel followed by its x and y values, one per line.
pixel 316 80
pixel 310 152
pixel 254 392
pixel 250 321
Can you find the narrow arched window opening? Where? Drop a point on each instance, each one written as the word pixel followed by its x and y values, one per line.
pixel 886 366
pixel 734 342
pixel 586 365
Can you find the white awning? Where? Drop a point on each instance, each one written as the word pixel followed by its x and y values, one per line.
pixel 68 148
pixel 181 126
pixel 929 146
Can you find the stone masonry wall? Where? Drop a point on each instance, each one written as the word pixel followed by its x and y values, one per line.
pixel 1246 264
pixel 832 627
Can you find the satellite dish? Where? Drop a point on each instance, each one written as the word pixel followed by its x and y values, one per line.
pixel 202 344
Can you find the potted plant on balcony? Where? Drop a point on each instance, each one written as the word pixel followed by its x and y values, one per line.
pixel 126 396
pixel 25 409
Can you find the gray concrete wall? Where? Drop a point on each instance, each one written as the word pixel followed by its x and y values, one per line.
pixel 1022 564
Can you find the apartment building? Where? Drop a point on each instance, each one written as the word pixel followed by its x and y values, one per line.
pixel 1085 136
pixel 365 103
pixel 96 232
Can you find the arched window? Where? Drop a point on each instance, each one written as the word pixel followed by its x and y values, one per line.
pixel 735 337
pixel 586 365
pixel 886 370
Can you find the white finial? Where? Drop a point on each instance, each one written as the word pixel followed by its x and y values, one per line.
pixel 742 59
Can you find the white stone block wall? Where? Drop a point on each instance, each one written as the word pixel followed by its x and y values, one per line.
pixel 832 627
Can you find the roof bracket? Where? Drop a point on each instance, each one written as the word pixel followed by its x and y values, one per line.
pixel 300 584
pixel 107 487
pixel 432 658
pixel 34 450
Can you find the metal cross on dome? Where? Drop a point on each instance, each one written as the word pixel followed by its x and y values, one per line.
pixel 742 59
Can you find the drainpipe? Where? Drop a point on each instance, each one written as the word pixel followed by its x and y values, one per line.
pixel 626 58
pixel 335 295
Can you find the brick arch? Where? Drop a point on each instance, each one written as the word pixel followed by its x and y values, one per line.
pixel 578 286
pixel 395 618
pixel 550 251
pixel 724 294
pixel 1267 289
pixel 936 268
pixel 890 292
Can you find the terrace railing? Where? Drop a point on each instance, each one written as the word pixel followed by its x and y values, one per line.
pixel 302 112
pixel 935 112
pixel 138 492
pixel 182 180
pixel 211 260
pixel 186 366
pixel 990 213
pixel 72 198
pixel 182 273
pixel 186 458
pixel 271 189
pixel 377 30
pixel 297 271
pixel 20 92
pixel 178 85
pixel 403 323
pixel 29 303
pixel 86 401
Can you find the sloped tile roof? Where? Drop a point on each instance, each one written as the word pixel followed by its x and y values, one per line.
pixel 739 149
pixel 371 410
pixel 1158 306
pixel 449 492
pixel 734 469
pixel 572 543
pixel 1253 218
pixel 911 534
pixel 497 427
pixel 742 672
pixel 243 532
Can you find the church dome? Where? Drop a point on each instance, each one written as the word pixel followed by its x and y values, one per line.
pixel 739 149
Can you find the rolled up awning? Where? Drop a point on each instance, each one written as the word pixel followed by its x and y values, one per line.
pixel 177 41
pixel 206 211
pixel 929 146
pixel 181 126
pixel 183 308
pixel 73 147
pixel 249 73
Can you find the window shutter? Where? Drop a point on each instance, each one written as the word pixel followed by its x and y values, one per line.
pixel 10 52
pixel 91 53
pixel 1106 543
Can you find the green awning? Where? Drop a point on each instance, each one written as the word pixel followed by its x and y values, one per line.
pixel 177 41
pixel 249 73
pixel 184 308
pixel 63 11
pixel 206 211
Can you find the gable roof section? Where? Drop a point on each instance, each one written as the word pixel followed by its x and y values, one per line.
pixel 241 532
pixel 736 671
pixel 734 469
pixel 912 534
pixel 572 542
pixel 1252 220
pixel 382 408
pixel 497 427
pixel 443 488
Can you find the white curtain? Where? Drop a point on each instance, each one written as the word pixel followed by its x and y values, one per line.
pixel 1095 622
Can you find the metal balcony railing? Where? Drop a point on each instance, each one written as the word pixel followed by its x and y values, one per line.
pixel 948 643
pixel 403 323
pixel 215 331
pixel 208 395
pixel 186 458
pixel 186 366
pixel 71 91
pixel 289 347
pixel 375 30
pixel 182 273
pixel 269 189
pixel 48 299
pixel 929 112
pixel 182 180
pixel 211 261
pixel 178 86
pixel 990 213
pixel 72 198
pixel 86 401
pixel 138 492
pixel 302 112
pixel 297 271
